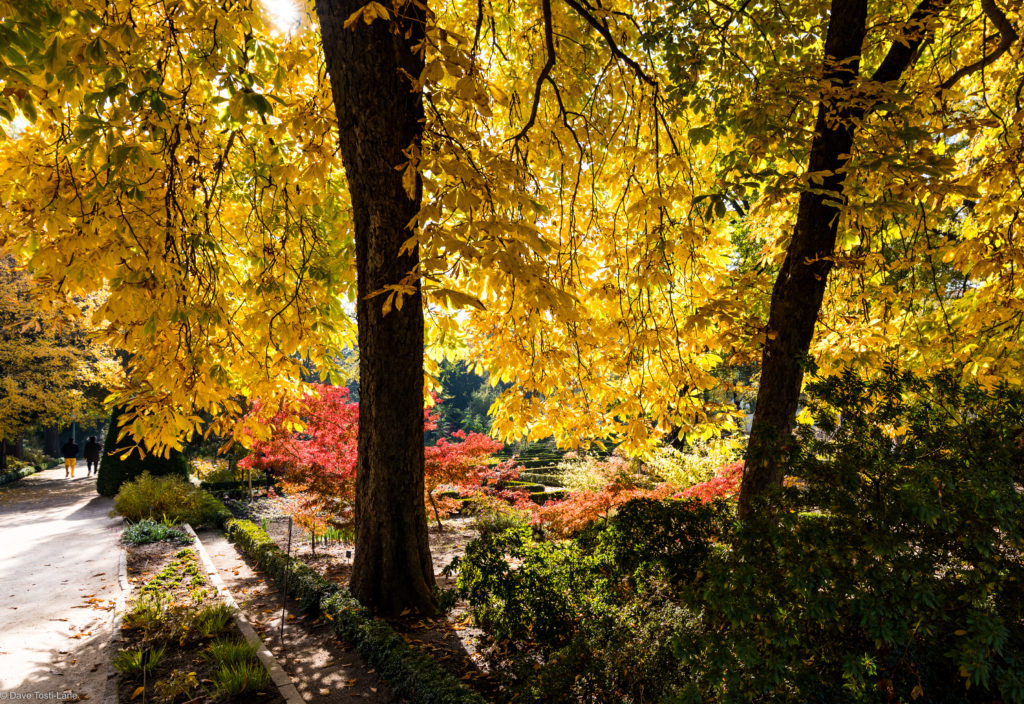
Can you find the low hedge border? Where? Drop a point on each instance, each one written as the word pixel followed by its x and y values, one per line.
pixel 233 486
pixel 14 475
pixel 541 478
pixel 410 672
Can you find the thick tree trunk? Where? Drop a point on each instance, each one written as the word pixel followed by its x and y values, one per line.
pixel 380 116
pixel 800 286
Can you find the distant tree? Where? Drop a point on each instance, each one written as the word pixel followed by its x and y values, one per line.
pixel 52 374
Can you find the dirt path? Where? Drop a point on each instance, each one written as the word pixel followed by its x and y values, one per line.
pixel 59 557
pixel 324 670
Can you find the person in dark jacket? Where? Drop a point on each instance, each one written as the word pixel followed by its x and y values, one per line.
pixel 70 452
pixel 92 455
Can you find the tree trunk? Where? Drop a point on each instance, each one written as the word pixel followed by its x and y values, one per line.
pixel 800 286
pixel 51 441
pixel 380 116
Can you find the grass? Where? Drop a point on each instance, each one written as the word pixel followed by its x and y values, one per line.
pixel 249 676
pixel 135 661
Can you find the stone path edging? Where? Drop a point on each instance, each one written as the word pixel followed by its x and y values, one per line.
pixel 110 690
pixel 277 674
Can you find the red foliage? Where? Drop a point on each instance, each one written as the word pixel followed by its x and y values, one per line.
pixel 568 517
pixel 317 467
pixel 724 485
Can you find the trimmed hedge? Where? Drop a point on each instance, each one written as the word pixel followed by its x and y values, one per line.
pixel 542 497
pixel 305 584
pixel 14 475
pixel 410 672
pixel 541 478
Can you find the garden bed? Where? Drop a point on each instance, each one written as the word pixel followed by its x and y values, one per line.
pixel 450 640
pixel 179 641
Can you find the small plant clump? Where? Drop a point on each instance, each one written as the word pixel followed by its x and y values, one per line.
pixel 149 531
pixel 138 660
pixel 213 620
pixel 233 680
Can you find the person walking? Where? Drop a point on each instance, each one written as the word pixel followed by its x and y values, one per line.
pixel 92 455
pixel 70 452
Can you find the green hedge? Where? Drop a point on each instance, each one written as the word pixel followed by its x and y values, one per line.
pixel 542 497
pixel 305 584
pixel 410 673
pixel 16 474
pixel 542 478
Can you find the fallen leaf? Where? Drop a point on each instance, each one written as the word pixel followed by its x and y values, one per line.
pixel 137 692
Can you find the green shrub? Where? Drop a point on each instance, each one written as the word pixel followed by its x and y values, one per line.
pixel 889 571
pixel 149 531
pixel 117 468
pixel 893 570
pixel 168 498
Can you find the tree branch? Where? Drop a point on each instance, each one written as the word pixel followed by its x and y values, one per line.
pixel 916 32
pixel 1006 31
pixel 612 46
pixel 549 43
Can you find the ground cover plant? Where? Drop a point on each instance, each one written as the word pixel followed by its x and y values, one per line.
pixel 890 571
pixel 149 531
pixel 178 642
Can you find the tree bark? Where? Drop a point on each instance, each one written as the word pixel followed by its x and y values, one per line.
pixel 380 116
pixel 800 286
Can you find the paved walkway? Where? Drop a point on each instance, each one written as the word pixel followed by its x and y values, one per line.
pixel 59 558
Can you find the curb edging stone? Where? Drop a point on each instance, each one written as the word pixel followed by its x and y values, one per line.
pixel 124 587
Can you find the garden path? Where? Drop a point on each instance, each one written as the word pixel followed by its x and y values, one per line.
pixel 59 561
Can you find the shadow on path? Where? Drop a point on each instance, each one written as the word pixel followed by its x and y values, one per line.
pixel 59 554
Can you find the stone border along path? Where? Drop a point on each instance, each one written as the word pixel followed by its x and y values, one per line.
pixel 324 669
pixel 110 697
pixel 59 561
pixel 277 674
